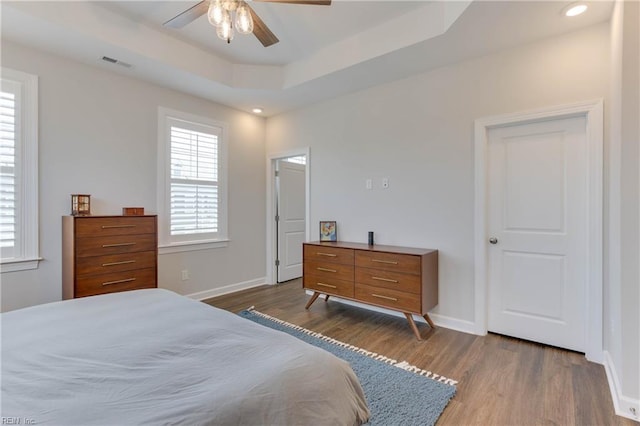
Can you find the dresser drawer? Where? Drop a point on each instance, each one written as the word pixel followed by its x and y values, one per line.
pixel 99 246
pixel 329 270
pixel 388 261
pixel 328 254
pixel 118 281
pixel 329 286
pixel 97 265
pixel 118 225
pixel 406 302
pixel 389 279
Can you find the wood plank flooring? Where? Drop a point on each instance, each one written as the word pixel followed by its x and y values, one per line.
pixel 502 381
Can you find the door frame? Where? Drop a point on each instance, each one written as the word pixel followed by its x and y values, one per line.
pixel 272 249
pixel 593 112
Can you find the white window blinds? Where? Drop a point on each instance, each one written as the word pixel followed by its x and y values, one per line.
pixel 9 208
pixel 194 181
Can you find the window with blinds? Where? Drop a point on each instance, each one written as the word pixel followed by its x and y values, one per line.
pixel 192 195
pixel 18 171
pixel 194 181
pixel 9 245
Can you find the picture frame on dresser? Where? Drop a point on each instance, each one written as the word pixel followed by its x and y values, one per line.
pixel 328 230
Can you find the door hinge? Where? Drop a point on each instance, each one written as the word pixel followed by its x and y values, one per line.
pixel 277 262
pixel 277 173
pixel 277 218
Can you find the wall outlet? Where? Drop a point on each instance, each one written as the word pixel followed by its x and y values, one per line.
pixel 385 183
pixel 185 274
pixel 369 184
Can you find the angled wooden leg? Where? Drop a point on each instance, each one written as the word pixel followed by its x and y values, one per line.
pixel 326 298
pixel 431 324
pixel 413 325
pixel 313 299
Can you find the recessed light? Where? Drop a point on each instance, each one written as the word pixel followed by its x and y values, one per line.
pixel 575 9
pixel 257 110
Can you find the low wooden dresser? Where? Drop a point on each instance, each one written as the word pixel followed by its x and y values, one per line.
pixel 107 254
pixel 398 278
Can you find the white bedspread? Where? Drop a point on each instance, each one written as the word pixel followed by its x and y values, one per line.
pixel 154 357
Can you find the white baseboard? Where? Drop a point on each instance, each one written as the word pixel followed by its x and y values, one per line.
pixel 231 288
pixel 439 320
pixel 623 405
pixel 456 324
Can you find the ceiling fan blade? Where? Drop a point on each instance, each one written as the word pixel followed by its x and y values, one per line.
pixel 188 15
pixel 261 31
pixel 312 2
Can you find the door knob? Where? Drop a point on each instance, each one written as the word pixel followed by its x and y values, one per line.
pixel 493 240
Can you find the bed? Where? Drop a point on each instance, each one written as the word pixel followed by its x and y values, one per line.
pixel 154 357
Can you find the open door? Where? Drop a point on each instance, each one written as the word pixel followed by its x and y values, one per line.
pixel 290 218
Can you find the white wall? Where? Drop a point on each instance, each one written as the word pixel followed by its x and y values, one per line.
pixel 418 132
pixel 98 135
pixel 622 333
pixel 630 193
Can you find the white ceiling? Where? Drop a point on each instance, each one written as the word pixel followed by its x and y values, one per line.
pixel 324 51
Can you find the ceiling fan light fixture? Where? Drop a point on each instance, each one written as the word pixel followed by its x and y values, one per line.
pixel 225 29
pixel 244 21
pixel 230 5
pixel 215 14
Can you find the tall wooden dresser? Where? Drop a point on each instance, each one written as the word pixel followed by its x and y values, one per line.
pixel 107 254
pixel 399 278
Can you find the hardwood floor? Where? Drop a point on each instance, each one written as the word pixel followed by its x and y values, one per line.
pixel 502 380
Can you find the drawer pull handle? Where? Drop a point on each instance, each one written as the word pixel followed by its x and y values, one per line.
pixel 384 297
pixel 124 262
pixel 118 245
pixel 127 280
pixel 326 269
pixel 117 226
pixel 326 285
pixel 326 254
pixel 391 262
pixel 384 279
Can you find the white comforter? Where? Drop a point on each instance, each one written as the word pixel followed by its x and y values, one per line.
pixel 153 357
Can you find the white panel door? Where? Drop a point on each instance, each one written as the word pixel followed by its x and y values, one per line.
pixel 537 222
pixel 291 223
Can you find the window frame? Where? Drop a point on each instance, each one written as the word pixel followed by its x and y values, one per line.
pixel 194 241
pixel 26 172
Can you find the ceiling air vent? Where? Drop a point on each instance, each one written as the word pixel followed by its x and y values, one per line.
pixel 116 61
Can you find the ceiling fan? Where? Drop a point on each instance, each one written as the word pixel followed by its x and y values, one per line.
pixel 221 14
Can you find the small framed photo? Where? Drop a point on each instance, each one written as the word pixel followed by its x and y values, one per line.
pixel 328 231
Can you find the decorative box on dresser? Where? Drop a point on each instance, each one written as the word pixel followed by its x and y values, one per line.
pixel 107 254
pixel 403 279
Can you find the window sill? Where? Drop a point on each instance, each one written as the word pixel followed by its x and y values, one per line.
pixel 19 265
pixel 191 246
